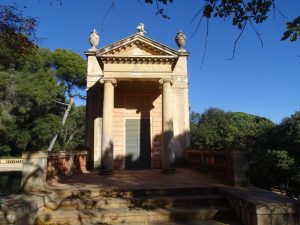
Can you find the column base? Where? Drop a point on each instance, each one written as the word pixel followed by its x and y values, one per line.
pixel 106 172
pixel 169 170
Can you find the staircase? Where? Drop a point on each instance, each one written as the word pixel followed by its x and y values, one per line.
pixel 154 206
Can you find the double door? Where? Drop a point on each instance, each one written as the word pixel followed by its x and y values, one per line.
pixel 137 143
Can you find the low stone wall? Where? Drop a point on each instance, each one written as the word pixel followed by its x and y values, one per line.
pixel 61 165
pixel 39 168
pixel 254 206
pixel 42 167
pixel 231 166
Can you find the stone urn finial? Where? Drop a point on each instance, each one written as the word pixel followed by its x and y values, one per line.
pixel 180 41
pixel 94 40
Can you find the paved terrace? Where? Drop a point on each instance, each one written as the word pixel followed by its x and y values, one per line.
pixel 264 206
pixel 155 178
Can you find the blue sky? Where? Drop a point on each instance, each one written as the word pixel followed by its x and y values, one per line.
pixel 261 81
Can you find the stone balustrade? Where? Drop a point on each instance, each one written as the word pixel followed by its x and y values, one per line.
pixel 231 166
pixel 61 165
pixel 42 167
pixel 7 165
pixel 11 161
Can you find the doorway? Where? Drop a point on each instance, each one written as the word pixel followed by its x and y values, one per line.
pixel 137 143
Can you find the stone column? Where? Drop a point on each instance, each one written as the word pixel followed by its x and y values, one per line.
pixel 107 145
pixel 168 154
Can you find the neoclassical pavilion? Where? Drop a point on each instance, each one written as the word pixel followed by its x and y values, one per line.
pixel 137 104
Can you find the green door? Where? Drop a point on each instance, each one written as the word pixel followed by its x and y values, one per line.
pixel 137 144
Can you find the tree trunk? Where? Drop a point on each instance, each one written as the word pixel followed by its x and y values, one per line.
pixel 63 122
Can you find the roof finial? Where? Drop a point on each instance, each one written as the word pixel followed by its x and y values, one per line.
pixel 94 40
pixel 141 29
pixel 180 41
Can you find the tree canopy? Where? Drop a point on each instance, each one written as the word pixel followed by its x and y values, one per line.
pixel 273 149
pixel 29 113
pixel 217 129
pixel 17 35
pixel 241 13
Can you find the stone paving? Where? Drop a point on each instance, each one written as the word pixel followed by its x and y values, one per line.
pixel 155 178
pixel 265 207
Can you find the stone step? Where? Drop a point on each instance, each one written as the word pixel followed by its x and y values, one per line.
pixel 136 215
pixel 146 202
pixel 100 192
pixel 204 222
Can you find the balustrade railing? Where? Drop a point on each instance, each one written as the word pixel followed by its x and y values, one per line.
pixel 61 165
pixel 11 161
pixel 7 165
pixel 231 166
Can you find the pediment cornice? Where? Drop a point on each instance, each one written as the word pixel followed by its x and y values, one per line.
pixel 126 47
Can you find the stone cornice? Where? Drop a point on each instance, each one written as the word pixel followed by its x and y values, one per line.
pixel 138 59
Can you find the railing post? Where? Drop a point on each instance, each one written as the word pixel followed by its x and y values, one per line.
pixel 238 168
pixel 34 171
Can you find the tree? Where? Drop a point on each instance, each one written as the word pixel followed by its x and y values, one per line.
pixel 240 12
pixel 17 35
pixel 70 69
pixel 247 128
pixel 28 108
pixel 217 129
pixel 25 96
pixel 272 168
pixel 289 130
pixel 278 168
pixel 73 134
pixel 36 99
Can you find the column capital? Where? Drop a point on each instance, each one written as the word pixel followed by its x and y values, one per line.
pixel 108 80
pixel 166 80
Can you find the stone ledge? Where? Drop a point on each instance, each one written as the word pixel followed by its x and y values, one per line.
pixel 22 209
pixel 255 206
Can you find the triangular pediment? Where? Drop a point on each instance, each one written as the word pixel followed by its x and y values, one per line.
pixel 137 46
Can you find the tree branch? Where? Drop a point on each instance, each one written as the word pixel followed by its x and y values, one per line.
pixel 62 103
pixel 205 45
pixel 257 34
pixel 236 40
pixel 198 25
pixel 110 8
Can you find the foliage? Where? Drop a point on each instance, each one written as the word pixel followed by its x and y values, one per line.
pixel 29 114
pixel 290 135
pixel 10 182
pixel 43 130
pixel 25 95
pixel 70 69
pixel 293 30
pixel 241 13
pixel 238 11
pixel 17 35
pixel 216 129
pixel 72 136
pixel 274 169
